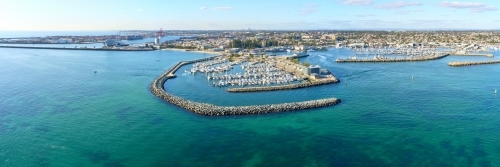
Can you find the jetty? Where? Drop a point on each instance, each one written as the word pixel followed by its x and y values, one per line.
pixel 422 58
pixel 285 87
pixel 474 54
pixel 473 63
pixel 76 48
pixel 158 89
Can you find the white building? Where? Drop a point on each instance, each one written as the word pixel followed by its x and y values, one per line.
pixel 62 40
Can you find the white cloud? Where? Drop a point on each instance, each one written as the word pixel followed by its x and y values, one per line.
pixel 357 2
pixel 222 8
pixel 365 15
pixel 139 9
pixel 309 8
pixel 407 11
pixel 203 8
pixel 397 5
pixel 473 6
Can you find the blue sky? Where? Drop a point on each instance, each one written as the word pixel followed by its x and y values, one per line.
pixel 244 14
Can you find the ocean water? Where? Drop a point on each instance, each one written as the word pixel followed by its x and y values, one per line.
pixel 55 111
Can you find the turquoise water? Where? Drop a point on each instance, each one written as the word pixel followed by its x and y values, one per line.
pixel 54 111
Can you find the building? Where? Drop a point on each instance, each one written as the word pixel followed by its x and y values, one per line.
pixel 62 40
pixel 313 69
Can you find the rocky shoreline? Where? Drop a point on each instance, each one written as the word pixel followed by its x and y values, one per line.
pixel 207 109
pixel 473 63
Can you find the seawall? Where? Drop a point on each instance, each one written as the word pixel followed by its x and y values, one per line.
pixel 426 58
pixel 284 87
pixel 473 63
pixel 207 109
pixel 59 48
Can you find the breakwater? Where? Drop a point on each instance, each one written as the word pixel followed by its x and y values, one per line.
pixel 284 87
pixel 424 58
pixel 473 63
pixel 473 54
pixel 157 88
pixel 92 49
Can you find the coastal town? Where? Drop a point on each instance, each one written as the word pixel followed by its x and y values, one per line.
pixel 282 41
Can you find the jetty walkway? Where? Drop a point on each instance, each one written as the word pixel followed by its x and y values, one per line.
pixel 473 54
pixel 285 87
pixel 424 58
pixel 157 88
pixel 473 63
pixel 93 49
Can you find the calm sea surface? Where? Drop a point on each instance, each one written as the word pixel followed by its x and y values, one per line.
pixel 54 111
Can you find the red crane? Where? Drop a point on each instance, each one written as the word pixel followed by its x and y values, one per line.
pixel 160 33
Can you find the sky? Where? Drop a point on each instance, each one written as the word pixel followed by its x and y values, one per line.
pixel 57 15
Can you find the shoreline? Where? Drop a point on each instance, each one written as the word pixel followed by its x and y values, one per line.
pixel 195 51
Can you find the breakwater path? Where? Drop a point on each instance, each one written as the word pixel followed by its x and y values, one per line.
pixel 284 87
pixel 157 88
pixel 425 58
pixel 473 63
pixel 92 49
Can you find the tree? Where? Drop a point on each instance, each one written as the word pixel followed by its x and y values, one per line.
pixel 306 64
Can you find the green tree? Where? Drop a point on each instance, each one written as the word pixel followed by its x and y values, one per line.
pixel 306 64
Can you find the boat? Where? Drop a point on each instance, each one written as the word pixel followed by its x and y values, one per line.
pixel 495 91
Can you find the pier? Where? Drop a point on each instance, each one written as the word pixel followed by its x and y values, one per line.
pixel 487 55
pixel 473 63
pixel 76 48
pixel 284 87
pixel 423 58
pixel 158 89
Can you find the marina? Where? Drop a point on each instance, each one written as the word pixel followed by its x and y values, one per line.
pixel 157 88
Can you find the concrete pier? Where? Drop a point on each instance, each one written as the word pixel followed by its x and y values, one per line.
pixel 473 63
pixel 158 90
pixel 478 54
pixel 284 87
pixel 425 58
pixel 92 49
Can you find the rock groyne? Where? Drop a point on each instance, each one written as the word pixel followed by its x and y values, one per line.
pixel 473 63
pixel 207 109
pixel 284 87
pixel 425 58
